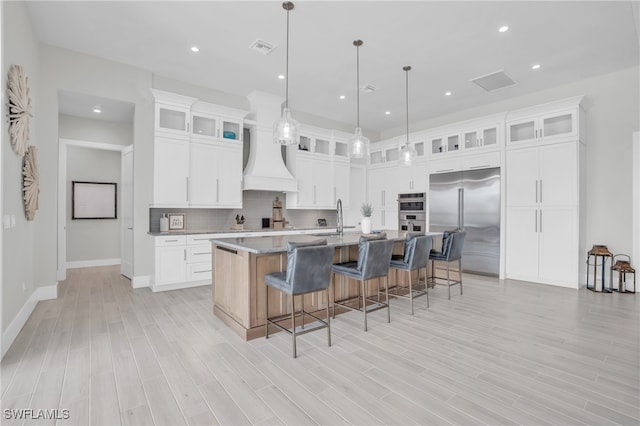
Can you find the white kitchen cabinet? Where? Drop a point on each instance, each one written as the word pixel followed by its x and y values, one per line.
pixel 485 136
pixel 170 260
pixel 211 127
pixel 172 114
pixel 171 172
pixel 443 143
pixel 215 176
pixel 315 182
pixel 341 178
pixel 555 121
pixel 383 194
pixel 543 221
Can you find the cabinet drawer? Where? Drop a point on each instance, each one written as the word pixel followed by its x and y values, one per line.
pixel 201 239
pixel 482 161
pixel 199 271
pixel 171 240
pixel 445 165
pixel 199 253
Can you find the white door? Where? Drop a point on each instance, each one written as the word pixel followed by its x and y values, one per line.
pixel 171 171
pixel 203 175
pixel 126 251
pixel 522 243
pixel 558 246
pixel 558 184
pixel 230 177
pixel 522 177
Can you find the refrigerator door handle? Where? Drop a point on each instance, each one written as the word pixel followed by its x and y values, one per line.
pixel 460 207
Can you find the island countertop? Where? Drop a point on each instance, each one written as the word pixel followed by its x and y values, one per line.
pixel 276 244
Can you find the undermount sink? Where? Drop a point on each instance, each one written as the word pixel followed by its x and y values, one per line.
pixel 325 234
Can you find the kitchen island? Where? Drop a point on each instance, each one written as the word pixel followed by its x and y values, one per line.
pixel 240 264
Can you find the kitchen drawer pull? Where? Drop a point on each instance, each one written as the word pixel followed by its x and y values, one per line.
pixel 202 272
pixel 202 254
pixel 484 166
pixel 444 170
pixel 227 249
pixel 170 241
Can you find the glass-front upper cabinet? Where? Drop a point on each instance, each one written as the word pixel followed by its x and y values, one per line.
pixel 559 124
pixel 342 149
pixel 215 127
pixel 480 137
pixel 445 143
pixel 172 119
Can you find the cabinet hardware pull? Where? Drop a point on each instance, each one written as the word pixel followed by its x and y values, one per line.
pixel 187 179
pixel 536 133
pixel 536 191
pixel 217 190
pixel 201 254
pixel 170 241
pixel 483 166
pixel 540 190
pixel 188 127
pixel 185 254
pixel 536 220
pixel 227 250
pixel 202 272
pixel 541 134
pixel 540 220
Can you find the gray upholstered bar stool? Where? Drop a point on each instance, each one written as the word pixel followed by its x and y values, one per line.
pixel 452 243
pixel 415 257
pixel 374 257
pixel 308 270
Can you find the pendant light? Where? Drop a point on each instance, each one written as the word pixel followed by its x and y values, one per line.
pixel 359 144
pixel 407 151
pixel 285 130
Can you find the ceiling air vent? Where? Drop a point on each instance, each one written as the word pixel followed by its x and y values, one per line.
pixel 262 46
pixel 494 81
pixel 367 88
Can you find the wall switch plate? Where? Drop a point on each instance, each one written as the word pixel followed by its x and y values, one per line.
pixel 6 221
pixel 13 220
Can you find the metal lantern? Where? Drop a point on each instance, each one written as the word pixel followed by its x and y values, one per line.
pixel 602 252
pixel 622 267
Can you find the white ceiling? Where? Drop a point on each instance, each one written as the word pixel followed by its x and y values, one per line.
pixel 446 43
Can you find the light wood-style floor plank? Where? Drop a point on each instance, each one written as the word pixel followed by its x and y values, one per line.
pixel 506 352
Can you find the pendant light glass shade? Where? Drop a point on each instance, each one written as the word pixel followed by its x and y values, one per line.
pixel 407 152
pixel 358 143
pixel 285 130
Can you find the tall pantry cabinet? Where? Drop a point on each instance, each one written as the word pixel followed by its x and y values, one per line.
pixel 544 155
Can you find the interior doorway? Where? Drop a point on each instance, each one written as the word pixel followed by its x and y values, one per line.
pixel 126 208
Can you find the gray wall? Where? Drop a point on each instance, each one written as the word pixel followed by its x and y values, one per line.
pixel 20 263
pixel 612 114
pixel 92 239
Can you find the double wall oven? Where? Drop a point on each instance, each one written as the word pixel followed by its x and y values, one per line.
pixel 412 211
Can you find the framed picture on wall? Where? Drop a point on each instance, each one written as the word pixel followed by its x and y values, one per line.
pixel 94 200
pixel 176 221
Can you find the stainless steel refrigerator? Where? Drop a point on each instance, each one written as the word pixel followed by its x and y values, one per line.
pixel 469 201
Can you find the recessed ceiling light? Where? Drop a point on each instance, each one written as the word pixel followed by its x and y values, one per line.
pixel 503 29
pixel 281 77
pixel 447 94
pixel 195 49
pixel 342 96
pixel 387 113
pixel 535 67
pixel 97 109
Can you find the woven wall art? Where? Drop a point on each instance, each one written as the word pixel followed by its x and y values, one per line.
pixel 19 109
pixel 30 182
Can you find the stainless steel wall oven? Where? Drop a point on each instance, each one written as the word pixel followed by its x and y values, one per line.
pixel 412 211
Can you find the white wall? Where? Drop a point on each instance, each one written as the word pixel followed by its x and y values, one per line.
pixel 19 260
pixel 92 240
pixel 90 130
pixel 612 113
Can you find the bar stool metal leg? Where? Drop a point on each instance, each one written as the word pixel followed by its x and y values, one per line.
pixel 460 273
pixel 364 304
pixel 293 325
pixel 328 321
pixel 266 318
pixel 386 287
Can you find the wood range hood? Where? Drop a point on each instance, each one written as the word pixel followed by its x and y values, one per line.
pixel 265 170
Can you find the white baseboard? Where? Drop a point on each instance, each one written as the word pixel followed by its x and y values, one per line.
pixel 178 286
pixel 141 281
pixel 92 263
pixel 41 293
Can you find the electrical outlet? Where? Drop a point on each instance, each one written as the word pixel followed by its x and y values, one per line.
pixel 24 287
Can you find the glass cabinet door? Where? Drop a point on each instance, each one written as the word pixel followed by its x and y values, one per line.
pixel 471 139
pixel 437 146
pixel 453 143
pixel 172 120
pixel 322 146
pixel 490 136
pixel 558 124
pixel 522 130
pixel 203 126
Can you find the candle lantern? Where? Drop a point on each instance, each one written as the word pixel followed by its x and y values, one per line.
pixel 622 267
pixel 602 252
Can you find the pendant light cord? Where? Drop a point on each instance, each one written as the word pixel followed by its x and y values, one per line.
pixel 357 43
pixel 286 71
pixel 406 69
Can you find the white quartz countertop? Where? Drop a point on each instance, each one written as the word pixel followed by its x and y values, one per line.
pixel 318 229
pixel 276 244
